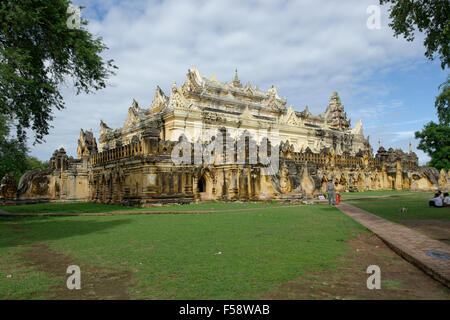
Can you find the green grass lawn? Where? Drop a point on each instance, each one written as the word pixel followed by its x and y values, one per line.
pixel 389 208
pixel 351 195
pixel 174 256
pixel 90 207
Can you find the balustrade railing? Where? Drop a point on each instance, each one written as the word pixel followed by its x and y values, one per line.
pixel 129 150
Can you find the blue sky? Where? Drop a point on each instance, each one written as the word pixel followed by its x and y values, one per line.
pixel 307 49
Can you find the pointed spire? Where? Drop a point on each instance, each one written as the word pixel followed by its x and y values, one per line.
pixel 236 82
pixel 135 104
pixel 379 143
pixel 410 147
pixel 174 86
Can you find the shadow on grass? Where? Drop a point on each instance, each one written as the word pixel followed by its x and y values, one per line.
pixel 36 230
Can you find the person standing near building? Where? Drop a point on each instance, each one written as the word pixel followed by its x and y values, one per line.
pixel 337 189
pixel 331 193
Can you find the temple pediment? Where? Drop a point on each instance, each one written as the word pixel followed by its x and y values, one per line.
pixel 160 101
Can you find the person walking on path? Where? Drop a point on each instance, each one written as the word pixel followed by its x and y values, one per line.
pixel 331 194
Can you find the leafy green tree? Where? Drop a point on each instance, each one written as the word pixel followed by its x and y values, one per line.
pixel 38 53
pixel 13 157
pixel 33 163
pixel 442 101
pixel 428 16
pixel 432 18
pixel 435 140
pixel 13 154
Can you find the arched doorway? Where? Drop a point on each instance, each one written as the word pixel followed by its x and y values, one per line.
pixel 204 187
pixel 201 186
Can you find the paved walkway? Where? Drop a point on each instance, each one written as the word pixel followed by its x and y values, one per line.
pixel 410 244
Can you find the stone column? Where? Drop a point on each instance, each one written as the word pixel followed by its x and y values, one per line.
pixel 188 189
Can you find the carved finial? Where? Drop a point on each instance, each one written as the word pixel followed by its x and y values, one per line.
pixel 174 86
pixel 379 143
pixel 236 82
pixel 410 147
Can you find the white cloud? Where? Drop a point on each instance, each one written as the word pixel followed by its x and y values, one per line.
pixel 306 48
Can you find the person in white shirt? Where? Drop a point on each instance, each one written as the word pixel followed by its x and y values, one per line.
pixel 436 201
pixel 446 201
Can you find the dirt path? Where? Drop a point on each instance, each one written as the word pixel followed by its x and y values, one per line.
pixel 32 214
pixel 399 279
pixel 96 283
pixel 139 212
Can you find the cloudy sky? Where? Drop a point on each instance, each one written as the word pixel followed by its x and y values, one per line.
pixel 306 48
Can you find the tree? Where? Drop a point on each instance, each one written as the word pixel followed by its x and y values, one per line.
pixel 432 18
pixel 13 154
pixel 428 16
pixel 33 163
pixel 38 53
pixel 435 140
pixel 442 101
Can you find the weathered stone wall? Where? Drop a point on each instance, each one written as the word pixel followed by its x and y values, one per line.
pixel 144 173
pixel 134 164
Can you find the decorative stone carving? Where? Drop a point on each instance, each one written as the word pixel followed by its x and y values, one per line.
pixel 8 187
pixel 104 129
pixel 177 99
pixel 358 128
pixel 160 101
pixel 87 144
pixel 335 115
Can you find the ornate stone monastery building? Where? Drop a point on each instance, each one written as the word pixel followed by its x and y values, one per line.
pixel 227 135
